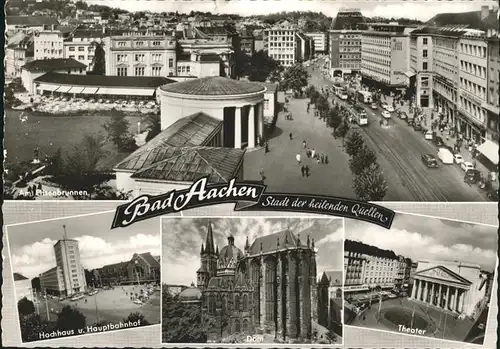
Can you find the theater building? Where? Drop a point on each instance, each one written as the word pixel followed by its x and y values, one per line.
pixel 453 286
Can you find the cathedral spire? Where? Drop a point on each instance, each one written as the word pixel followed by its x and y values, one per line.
pixel 298 240
pixel 217 250
pixel 308 241
pixel 247 244
pixel 202 249
pixel 210 239
pixel 312 244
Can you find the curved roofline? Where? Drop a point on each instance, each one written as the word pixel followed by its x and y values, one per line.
pixel 212 97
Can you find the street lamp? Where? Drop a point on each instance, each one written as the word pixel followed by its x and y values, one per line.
pixel 139 127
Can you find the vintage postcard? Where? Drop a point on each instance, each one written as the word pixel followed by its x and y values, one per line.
pixel 252 280
pixel 424 277
pixel 74 276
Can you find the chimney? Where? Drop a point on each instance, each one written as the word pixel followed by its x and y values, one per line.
pixel 485 12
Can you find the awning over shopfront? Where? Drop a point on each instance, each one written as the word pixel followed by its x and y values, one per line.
pixel 63 89
pixel 490 150
pixel 130 91
pixel 102 91
pixel 76 89
pixel 49 88
pixel 410 74
pixel 90 90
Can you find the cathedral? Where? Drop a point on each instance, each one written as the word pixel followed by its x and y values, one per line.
pixel 269 288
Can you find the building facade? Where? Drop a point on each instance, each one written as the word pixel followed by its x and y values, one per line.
pixel 320 40
pixel 141 54
pixel 452 286
pixel 281 44
pixel 473 85
pixel 52 282
pixel 385 51
pixel 270 287
pixel 48 44
pixel 492 93
pixel 141 268
pixel 421 67
pixel 81 47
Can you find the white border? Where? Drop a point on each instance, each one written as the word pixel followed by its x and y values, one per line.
pixel 494 280
pixel 251 345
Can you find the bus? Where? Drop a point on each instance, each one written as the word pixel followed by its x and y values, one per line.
pixel 339 91
pixel 360 115
pixel 365 97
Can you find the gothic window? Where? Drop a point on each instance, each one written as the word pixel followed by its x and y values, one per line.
pixel 270 290
pixel 245 325
pixel 211 304
pixel 237 302
pixel 224 303
pixel 245 302
pixel 237 326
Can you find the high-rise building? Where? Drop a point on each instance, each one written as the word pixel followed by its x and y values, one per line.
pixel 48 44
pixel 68 277
pixel 492 100
pixel 280 42
pixel 345 42
pixel 320 41
pixel 421 67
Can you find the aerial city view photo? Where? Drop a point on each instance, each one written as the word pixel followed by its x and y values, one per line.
pixel 114 99
pixel 424 277
pixel 272 280
pixel 74 277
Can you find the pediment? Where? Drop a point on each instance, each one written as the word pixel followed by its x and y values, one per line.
pixel 444 274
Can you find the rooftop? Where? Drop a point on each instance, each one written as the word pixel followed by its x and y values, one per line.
pixel 192 163
pixel 213 86
pixel 19 277
pixel 46 65
pixel 473 19
pixel 359 247
pixel 190 131
pixel 31 21
pixel 270 87
pixel 349 21
pixel 148 257
pixel 273 242
pixel 104 80
pixel 438 31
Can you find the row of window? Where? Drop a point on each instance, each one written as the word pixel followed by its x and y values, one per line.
pixel 184 69
pixel 141 71
pixel 377 41
pixel 281 32
pixel 473 50
pixel 142 43
pixel 473 69
pixel 284 56
pixel 378 280
pixel 81 57
pixel 473 88
pixel 449 44
pixel 445 90
pixel 155 57
pixel 349 65
pixel 377 51
pixel 445 70
pixel 279 44
pixel 49 43
pixel 80 48
pixel 281 38
pixel 476 111
pixel 376 60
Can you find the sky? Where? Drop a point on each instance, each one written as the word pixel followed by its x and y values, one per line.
pixel 421 237
pixel 182 239
pixel 32 245
pixel 419 9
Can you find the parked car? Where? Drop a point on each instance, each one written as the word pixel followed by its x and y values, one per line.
pixel 481 326
pixel 438 141
pixel 472 176
pixel 417 127
pixel 384 105
pixel 390 108
pixel 402 115
pixel 466 166
pixel 374 106
pixel 386 114
pixel 429 160
pixel 492 195
pixel 458 158
pixel 445 156
pixel 429 135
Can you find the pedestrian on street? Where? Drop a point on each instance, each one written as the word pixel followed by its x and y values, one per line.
pixel 326 159
pixel 297 157
pixel 308 153
pixel 303 170
pixel 318 159
pixel 322 158
pixel 291 136
pixel 304 144
pixel 267 147
pixel 313 153
pixel 307 171
pixel 262 176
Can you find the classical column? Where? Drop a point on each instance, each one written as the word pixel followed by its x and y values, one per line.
pixel 279 299
pixel 447 299
pixel 440 295
pixel 260 119
pixel 420 290
pixel 426 291
pixel 455 300
pixel 433 294
pixel 237 128
pixel 414 289
pixel 263 295
pixel 251 127
pixel 464 296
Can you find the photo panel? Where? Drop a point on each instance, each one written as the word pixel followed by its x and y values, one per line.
pixel 74 276
pixel 426 276
pixel 252 280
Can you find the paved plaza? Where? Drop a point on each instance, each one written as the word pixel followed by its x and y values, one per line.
pixel 438 323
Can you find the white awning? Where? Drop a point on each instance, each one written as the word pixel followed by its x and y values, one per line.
pixel 409 74
pixel 136 92
pixel 102 91
pixel 76 89
pixel 49 88
pixel 63 89
pixel 490 150
pixel 90 90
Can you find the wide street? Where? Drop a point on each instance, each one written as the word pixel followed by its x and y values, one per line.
pixel 399 150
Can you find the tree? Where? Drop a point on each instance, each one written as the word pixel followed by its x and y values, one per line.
pixel 25 307
pixel 85 156
pixel 370 184
pixel 118 130
pixel 341 130
pixel 154 126
pixel 363 159
pixel 295 78
pixel 354 143
pixel 31 327
pixel 260 66
pixel 314 97
pixel 334 118
pixel 322 105
pixel 70 319
pixel 309 91
pixel 99 60
pixel 136 317
pixel 56 163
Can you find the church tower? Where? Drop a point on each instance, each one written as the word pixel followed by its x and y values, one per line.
pixel 323 286
pixel 209 255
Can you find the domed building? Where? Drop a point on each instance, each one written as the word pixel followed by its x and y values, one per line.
pixel 270 287
pixel 190 295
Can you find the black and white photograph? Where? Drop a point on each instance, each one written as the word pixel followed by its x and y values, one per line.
pixel 73 276
pixel 114 99
pixel 424 277
pixel 252 280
